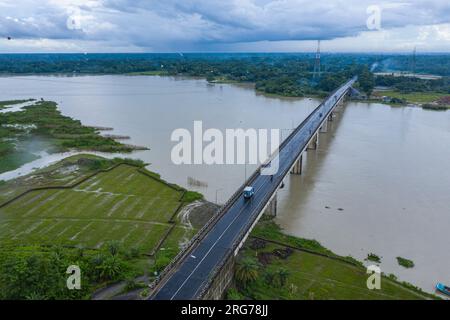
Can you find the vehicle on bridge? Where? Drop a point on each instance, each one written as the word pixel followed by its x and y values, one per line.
pixel 249 191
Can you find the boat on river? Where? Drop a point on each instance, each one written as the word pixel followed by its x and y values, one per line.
pixel 443 289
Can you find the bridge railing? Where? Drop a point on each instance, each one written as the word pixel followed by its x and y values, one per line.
pixel 215 272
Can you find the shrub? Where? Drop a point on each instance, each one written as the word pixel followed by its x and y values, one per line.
pixel 191 196
pixel 373 257
pixel 405 262
pixel 233 294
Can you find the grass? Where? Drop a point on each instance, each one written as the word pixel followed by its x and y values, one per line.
pixel 122 204
pixel 414 97
pixel 313 275
pixel 272 231
pixel 15 160
pixel 149 73
pixel 405 262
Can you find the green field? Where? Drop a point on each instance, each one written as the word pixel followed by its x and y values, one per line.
pixel 414 97
pixel 313 277
pixel 112 217
pixel 123 204
pixel 311 272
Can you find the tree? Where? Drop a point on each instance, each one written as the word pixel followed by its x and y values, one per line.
pixel 111 268
pixel 366 81
pixel 281 276
pixel 113 247
pixel 247 271
pixel 269 277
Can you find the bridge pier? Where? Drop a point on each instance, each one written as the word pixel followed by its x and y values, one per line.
pixel 297 168
pixel 339 105
pixel 330 117
pixel 313 143
pixel 324 127
pixel 271 210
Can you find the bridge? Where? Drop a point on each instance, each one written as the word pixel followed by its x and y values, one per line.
pixel 204 269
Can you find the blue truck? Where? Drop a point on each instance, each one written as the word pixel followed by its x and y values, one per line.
pixel 249 191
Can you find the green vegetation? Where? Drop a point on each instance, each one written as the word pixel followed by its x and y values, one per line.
pixel 39 272
pixel 272 231
pixel 121 204
pixel 437 64
pixel 14 160
pixel 412 97
pixel 436 107
pixel 281 74
pixel 8 103
pixel 373 257
pixel 191 196
pixel 405 262
pixel 404 84
pixel 284 269
pixel 246 271
pixel 432 94
pixel 105 215
pixel 43 119
pixel 149 73
pixel 41 126
pixel 273 73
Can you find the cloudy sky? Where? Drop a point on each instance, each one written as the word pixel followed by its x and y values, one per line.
pixel 223 25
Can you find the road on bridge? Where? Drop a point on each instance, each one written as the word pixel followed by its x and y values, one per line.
pixel 192 273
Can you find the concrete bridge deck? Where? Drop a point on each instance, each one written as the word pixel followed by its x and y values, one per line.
pixel 190 276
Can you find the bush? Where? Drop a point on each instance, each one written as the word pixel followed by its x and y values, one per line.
pixel 111 268
pixel 113 247
pixel 191 196
pixel 405 262
pixel 132 253
pixel 233 294
pixel 373 257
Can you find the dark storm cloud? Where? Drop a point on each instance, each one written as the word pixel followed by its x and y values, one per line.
pixel 172 24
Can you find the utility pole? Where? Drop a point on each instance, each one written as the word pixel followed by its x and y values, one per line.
pixel 217 190
pixel 316 74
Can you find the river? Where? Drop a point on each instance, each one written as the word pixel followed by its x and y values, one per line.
pixel 379 181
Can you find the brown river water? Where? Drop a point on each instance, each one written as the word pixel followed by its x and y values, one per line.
pixel 379 181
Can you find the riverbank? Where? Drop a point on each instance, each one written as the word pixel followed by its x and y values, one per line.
pixel 427 100
pixel 273 265
pixel 39 126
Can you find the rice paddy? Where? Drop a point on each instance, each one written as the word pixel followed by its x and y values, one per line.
pixel 122 204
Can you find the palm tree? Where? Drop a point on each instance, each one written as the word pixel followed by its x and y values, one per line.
pixel 281 275
pixel 110 268
pixel 113 247
pixel 247 271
